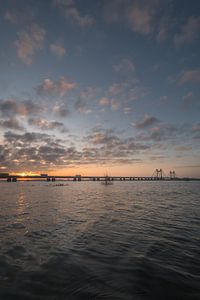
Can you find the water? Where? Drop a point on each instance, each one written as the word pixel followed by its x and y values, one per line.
pixel 129 240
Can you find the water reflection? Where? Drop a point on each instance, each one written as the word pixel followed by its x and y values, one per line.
pixel 21 206
pixel 87 241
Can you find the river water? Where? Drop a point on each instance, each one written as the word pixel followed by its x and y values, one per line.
pixel 85 240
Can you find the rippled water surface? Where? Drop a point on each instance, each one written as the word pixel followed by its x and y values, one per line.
pixel 84 240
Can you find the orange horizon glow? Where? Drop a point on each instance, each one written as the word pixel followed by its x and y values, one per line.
pixel 126 170
pixel 24 174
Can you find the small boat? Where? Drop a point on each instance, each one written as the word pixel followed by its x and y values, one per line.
pixel 107 180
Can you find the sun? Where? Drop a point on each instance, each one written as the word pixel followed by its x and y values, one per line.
pixel 23 174
pixel 26 174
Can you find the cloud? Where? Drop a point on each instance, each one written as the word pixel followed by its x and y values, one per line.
pixel 47 125
pixel 189 32
pixel 59 87
pixel 88 93
pixel 104 138
pixel 29 42
pixel 82 107
pixel 68 7
pixel 106 146
pixel 27 137
pixel 183 148
pixel 127 90
pixel 58 50
pixel 115 89
pixel 8 107
pixel 127 110
pixel 61 110
pixel 104 101
pixel 188 76
pixel 11 123
pixel 145 122
pixel 36 151
pixel 163 133
pixel 39 151
pixel 196 127
pixel 141 16
pixel 11 108
pixel 115 104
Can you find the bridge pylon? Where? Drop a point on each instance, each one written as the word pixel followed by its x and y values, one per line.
pixel 158 174
pixel 172 174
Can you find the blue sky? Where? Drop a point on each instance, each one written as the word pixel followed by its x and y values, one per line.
pixel 94 86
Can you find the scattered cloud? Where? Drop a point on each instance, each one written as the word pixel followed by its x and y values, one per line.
pixel 115 104
pixel 36 151
pixel 61 110
pixel 88 93
pixel 12 108
pixel 129 90
pixel 58 50
pixel 188 76
pixel 127 110
pixel 145 122
pixel 183 148
pixel 59 87
pixel 27 137
pixel 39 151
pixel 47 125
pixel 189 32
pixel 141 16
pixel 104 101
pixel 196 127
pixel 11 123
pixel 70 10
pixel 164 99
pixel 115 89
pixel 82 107
pixel 29 42
pixel 168 134
pixel 107 146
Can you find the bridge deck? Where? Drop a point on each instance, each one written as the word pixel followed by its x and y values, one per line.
pixel 91 178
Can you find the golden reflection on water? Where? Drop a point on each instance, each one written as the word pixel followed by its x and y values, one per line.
pixel 21 205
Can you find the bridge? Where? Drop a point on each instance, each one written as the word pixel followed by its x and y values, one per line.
pixel 50 178
pixel 158 175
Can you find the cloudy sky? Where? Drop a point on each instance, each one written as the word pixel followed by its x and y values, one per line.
pixel 95 86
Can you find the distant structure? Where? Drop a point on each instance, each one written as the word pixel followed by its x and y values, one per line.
pixel 172 174
pixel 158 173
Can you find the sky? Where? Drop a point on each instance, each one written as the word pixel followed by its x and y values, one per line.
pixel 100 86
